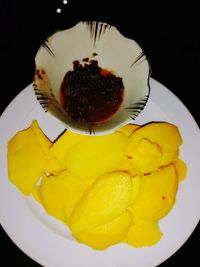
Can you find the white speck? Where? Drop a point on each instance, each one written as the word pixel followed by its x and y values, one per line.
pixel 58 10
pixel 64 2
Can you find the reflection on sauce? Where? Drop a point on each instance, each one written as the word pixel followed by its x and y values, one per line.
pixel 91 94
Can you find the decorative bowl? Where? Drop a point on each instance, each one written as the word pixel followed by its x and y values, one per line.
pixel 86 44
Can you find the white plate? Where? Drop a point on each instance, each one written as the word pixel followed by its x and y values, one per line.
pixel 48 241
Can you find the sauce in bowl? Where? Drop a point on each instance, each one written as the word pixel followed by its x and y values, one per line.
pixel 89 94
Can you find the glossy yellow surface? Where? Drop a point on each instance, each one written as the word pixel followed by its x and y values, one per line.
pixel 108 197
pixel 58 151
pixel 27 157
pixel 143 233
pixel 128 129
pixel 181 169
pixel 157 194
pixel 106 189
pixel 153 145
pixel 97 155
pixel 107 234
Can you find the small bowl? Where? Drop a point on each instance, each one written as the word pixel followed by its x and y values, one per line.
pixel 89 42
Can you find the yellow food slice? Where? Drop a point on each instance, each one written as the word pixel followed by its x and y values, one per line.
pixel 106 234
pixel 26 159
pixel 36 194
pixel 157 194
pixel 97 155
pixel 181 169
pixel 58 151
pixel 136 187
pixel 36 189
pixel 66 141
pixel 143 233
pixel 153 145
pixel 103 201
pixel 108 189
pixel 41 137
pixel 59 194
pixel 128 129
pixel 127 166
pixel 51 194
pixel 54 166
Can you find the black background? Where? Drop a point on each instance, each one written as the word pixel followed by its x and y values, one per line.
pixel 168 34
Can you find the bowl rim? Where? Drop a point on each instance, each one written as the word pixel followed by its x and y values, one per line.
pixel 89 130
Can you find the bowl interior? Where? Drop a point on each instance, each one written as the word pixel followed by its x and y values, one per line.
pixel 105 44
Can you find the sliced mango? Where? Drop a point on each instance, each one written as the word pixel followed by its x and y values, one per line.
pixel 143 233
pixel 103 201
pixel 157 194
pixel 97 155
pixel 58 151
pixel 181 169
pixel 36 194
pixel 107 234
pixel 128 129
pixel 59 194
pixel 41 137
pixel 127 166
pixel 107 189
pixel 53 166
pixel 136 187
pixel 27 158
pixel 153 145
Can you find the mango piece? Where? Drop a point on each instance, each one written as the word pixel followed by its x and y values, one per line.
pixel 128 129
pixel 136 187
pixel 153 145
pixel 53 166
pixel 157 194
pixel 181 169
pixel 51 194
pixel 97 155
pixel 26 159
pixel 107 234
pixel 103 201
pixel 59 194
pixel 107 189
pixel 57 153
pixel 146 157
pixel 36 189
pixel 127 166
pixel 143 233
pixel 41 137
pixel 36 194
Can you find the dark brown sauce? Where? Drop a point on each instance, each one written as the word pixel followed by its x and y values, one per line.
pixel 90 94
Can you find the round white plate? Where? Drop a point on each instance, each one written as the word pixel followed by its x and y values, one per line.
pixel 48 241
